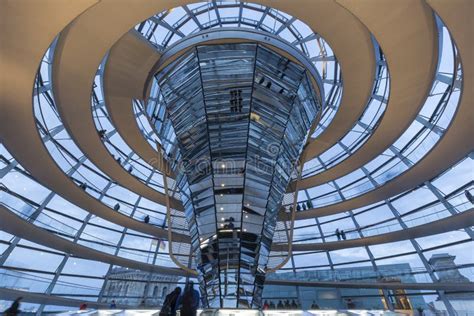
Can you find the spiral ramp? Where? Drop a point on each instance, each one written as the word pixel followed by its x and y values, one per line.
pixel 390 162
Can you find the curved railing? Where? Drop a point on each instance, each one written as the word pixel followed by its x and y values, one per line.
pixel 363 129
pixel 114 143
pixel 61 228
pixel 428 213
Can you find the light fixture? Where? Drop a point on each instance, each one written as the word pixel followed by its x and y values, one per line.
pixel 221 208
pixel 222 185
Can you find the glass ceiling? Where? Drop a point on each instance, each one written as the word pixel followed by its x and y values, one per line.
pixel 56 273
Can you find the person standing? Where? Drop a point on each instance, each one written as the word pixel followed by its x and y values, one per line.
pixel 343 235
pixel 170 303
pixel 14 309
pixel 338 234
pixel 189 301
pixel 293 304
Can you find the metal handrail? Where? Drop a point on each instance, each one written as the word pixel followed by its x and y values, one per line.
pixel 299 170
pixel 170 238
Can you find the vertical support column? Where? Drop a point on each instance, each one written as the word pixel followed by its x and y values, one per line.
pixel 422 257
pixel 119 244
pixel 298 291
pixel 323 239
pixel 385 293
pixel 61 266
pixel 38 211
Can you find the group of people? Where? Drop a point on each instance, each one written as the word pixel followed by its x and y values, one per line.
pixel 340 234
pixel 281 305
pixel 286 304
pixel 230 224
pixel 187 302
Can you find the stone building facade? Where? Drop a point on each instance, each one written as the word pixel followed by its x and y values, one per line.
pixel 138 288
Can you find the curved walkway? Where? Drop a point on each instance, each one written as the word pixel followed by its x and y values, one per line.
pixel 74 71
pixel 20 57
pixel 469 286
pixel 411 53
pixel 126 73
pixel 457 141
pixel 454 222
pixel 73 74
pixel 352 45
pixel 17 121
pixel 40 298
pixel 15 225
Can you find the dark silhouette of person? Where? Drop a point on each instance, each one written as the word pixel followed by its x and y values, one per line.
pixel 14 308
pixel 272 305
pixel 338 234
pixel 469 196
pixel 189 301
pixel 231 223
pixel 266 305
pixel 169 305
pixel 420 310
pixel 293 304
pixel 83 307
pixel 113 305
pixel 287 304
pixel 102 134
pixel 146 219
pixel 343 235
pixel 314 305
pixel 280 305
